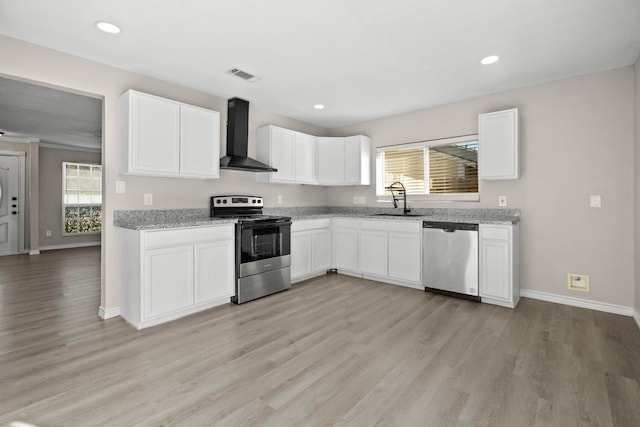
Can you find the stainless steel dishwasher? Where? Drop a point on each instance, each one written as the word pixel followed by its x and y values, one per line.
pixel 450 259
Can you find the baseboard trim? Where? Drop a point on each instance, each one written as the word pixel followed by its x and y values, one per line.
pixel 108 312
pixel 636 317
pixel 34 252
pixel 578 302
pixel 69 246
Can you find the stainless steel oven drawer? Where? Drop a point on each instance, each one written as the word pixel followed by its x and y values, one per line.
pixel 263 265
pixel 260 285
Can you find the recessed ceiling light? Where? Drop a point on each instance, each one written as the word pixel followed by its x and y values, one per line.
pixel 489 59
pixel 318 106
pixel 108 27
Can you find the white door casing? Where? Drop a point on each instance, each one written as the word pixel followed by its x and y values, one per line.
pixel 11 204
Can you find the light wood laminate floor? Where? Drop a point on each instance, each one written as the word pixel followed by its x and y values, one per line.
pixel 331 351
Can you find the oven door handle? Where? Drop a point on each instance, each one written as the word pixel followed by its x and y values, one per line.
pixel 267 225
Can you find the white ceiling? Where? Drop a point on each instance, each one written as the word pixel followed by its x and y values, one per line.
pixel 363 59
pixel 53 116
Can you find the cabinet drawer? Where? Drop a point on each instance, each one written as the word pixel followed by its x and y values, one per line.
pixel 495 232
pixel 310 224
pixel 399 225
pixel 157 239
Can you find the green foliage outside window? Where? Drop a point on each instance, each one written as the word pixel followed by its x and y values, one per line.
pixel 82 198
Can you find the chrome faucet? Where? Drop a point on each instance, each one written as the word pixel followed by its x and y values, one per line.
pixel 402 191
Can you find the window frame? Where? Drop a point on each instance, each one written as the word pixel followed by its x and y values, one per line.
pixel 79 205
pixel 450 197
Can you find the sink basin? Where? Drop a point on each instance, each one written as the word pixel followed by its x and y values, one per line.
pixel 395 214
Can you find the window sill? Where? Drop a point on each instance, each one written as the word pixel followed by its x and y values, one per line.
pixel 469 197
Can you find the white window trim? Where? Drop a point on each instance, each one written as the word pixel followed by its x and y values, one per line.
pixel 452 197
pixel 64 185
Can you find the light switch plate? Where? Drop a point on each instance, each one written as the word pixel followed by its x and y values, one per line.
pixel 595 201
pixel 355 200
pixel 120 187
pixel 279 200
pixel 148 199
pixel 362 200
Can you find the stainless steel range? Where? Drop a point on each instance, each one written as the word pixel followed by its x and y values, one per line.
pixel 263 246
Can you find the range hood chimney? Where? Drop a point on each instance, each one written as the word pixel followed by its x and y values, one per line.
pixel 238 140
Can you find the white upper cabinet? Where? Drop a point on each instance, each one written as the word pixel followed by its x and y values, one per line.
pixel 168 138
pixel 331 161
pixel 344 161
pixel 498 145
pixel 305 159
pixel 291 152
pixel 198 155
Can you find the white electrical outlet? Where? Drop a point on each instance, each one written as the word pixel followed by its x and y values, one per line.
pixel 120 187
pixel 362 200
pixel 48 233
pixel 595 201
pixel 279 200
pixel 355 200
pixel 502 200
pixel 148 199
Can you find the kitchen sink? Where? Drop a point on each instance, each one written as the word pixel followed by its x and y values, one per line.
pixel 395 214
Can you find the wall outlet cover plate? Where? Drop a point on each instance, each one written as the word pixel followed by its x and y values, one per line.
pixel 578 282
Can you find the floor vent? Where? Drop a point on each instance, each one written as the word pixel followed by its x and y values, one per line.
pixel 243 75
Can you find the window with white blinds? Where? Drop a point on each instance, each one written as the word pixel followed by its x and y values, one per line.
pixel 444 169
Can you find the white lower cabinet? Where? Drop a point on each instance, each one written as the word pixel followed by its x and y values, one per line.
pixel 499 265
pixel 168 280
pixel 310 248
pixel 168 274
pixel 391 251
pixel 345 245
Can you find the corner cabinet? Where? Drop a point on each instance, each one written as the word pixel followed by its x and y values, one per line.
pixel 310 248
pixel 291 152
pixel 169 138
pixel 344 161
pixel 169 274
pixel 498 145
pixel 345 246
pixel 499 264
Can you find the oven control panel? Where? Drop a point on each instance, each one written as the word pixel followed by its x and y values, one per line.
pixel 237 201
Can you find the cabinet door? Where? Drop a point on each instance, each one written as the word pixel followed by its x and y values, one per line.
pixel 168 280
pixel 405 256
pixel 300 254
pixel 374 252
pixel 331 161
pixel 199 142
pixel 214 270
pixel 154 145
pixel 321 250
pixel 345 248
pixel 495 269
pixel 352 160
pixel 305 155
pixel 498 145
pixel 282 154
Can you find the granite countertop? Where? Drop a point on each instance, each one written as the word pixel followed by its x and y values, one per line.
pixel 475 219
pixel 181 218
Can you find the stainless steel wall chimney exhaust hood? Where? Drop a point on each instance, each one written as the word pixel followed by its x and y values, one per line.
pixel 238 140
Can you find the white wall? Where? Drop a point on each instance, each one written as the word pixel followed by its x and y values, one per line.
pixel 636 69
pixel 50 200
pixel 576 140
pixel 42 65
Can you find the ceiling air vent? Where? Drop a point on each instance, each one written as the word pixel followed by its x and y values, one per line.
pixel 244 75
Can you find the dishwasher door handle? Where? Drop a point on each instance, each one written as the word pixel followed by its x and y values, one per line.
pixel 448 230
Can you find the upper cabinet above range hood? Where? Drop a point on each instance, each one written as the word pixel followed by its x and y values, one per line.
pixel 238 140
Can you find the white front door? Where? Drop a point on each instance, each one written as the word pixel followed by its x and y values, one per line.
pixel 9 204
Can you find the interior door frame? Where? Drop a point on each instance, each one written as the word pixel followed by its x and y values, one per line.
pixel 21 193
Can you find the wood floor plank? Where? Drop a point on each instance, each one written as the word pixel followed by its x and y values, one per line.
pixel 334 350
